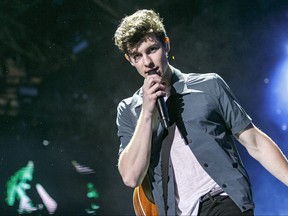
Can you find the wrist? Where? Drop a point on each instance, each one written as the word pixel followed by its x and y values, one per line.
pixel 146 115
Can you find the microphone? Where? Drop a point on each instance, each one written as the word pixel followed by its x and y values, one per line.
pixel 161 107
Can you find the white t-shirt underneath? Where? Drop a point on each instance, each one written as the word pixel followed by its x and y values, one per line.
pixel 191 180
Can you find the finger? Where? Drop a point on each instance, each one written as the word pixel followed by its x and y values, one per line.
pixel 153 79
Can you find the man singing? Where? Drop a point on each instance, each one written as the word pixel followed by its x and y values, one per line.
pixel 205 175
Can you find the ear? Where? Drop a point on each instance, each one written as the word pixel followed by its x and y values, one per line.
pixel 128 59
pixel 167 44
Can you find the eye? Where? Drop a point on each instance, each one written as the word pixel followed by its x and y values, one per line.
pixel 153 49
pixel 136 57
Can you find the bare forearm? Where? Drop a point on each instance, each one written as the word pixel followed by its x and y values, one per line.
pixel 272 159
pixel 264 150
pixel 134 160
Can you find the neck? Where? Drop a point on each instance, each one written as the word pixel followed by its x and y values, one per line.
pixel 167 76
pixel 167 79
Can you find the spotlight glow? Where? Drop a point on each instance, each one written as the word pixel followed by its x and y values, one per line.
pixel 278 95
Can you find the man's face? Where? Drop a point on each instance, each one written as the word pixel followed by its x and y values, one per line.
pixel 149 55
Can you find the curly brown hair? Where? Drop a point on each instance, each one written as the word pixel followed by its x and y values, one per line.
pixel 133 29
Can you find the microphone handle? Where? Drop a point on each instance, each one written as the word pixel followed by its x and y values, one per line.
pixel 163 112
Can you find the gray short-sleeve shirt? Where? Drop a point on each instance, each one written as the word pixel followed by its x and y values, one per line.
pixel 207 115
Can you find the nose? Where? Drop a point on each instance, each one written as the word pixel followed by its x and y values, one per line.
pixel 147 61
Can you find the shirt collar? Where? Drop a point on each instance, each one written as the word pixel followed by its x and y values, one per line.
pixel 179 82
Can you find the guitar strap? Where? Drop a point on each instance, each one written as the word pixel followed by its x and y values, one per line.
pixel 165 155
pixel 168 136
pixel 146 185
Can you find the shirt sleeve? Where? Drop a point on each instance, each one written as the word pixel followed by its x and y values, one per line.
pixel 124 124
pixel 231 111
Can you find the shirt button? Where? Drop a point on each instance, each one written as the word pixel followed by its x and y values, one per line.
pixel 224 186
pixel 205 165
pixel 235 165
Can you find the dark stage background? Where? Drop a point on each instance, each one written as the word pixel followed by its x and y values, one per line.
pixel 61 79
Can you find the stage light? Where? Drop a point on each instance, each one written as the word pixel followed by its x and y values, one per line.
pixel 278 95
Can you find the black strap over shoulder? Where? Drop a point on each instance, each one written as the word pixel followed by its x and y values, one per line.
pixel 166 147
pixel 146 185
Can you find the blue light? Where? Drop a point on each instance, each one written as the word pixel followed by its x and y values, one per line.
pixel 278 95
pixel 275 113
pixel 80 46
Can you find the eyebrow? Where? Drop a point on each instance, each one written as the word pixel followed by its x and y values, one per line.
pixel 132 53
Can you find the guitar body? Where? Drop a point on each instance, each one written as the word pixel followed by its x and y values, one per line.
pixel 142 206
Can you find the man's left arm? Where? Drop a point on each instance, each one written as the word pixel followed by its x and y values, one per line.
pixel 263 149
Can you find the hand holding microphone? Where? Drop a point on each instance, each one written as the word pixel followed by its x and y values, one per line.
pixel 161 107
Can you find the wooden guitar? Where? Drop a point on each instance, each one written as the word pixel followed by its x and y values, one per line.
pixel 142 206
